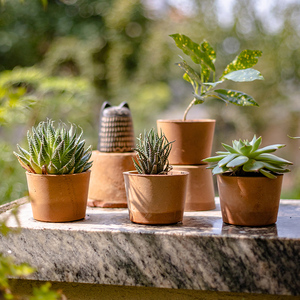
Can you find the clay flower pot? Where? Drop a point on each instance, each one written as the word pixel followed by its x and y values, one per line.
pixel 156 199
pixel 58 198
pixel 193 139
pixel 200 189
pixel 249 201
pixel 107 182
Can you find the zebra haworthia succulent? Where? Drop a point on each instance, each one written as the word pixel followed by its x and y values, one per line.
pixel 244 157
pixel 55 150
pixel 152 153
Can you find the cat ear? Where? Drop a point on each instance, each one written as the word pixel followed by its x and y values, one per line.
pixel 124 104
pixel 105 104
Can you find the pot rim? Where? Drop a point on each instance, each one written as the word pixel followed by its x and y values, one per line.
pixel 186 121
pixel 56 175
pixel 171 173
pixel 244 177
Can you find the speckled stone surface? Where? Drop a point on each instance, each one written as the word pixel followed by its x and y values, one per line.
pixel 201 253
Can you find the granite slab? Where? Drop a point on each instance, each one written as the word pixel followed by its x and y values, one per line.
pixel 201 253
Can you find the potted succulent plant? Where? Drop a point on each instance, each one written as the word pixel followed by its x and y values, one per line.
pixel 194 137
pixel 155 194
pixel 249 182
pixel 57 171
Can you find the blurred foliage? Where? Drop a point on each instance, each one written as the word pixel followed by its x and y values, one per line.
pixel 122 49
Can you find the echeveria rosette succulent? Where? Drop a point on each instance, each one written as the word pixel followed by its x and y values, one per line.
pixel 55 150
pixel 244 157
pixel 153 151
pixel 204 82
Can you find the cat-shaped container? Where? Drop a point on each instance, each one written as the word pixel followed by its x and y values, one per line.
pixel 116 132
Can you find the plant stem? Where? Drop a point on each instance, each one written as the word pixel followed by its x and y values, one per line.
pixel 188 108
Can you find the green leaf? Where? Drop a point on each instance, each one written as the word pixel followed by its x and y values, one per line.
pixel 246 59
pixel 208 49
pixel 190 71
pixel 193 50
pixel 244 75
pixel 274 168
pixel 272 159
pixel 255 143
pixel 213 84
pixel 238 161
pixel 219 170
pixel 246 149
pixel 267 174
pixel 253 166
pixel 235 97
pixel 229 148
pixel 214 158
pixel 223 162
pixel 198 99
pixel 267 149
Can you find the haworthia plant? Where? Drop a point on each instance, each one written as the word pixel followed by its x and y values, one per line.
pixel 204 82
pixel 245 157
pixel 55 150
pixel 152 150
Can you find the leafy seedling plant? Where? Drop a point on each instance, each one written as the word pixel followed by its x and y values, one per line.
pixel 204 82
pixel 55 150
pixel 152 150
pixel 244 158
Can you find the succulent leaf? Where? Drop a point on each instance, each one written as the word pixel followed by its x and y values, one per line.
pixel 152 153
pixel 55 150
pixel 245 157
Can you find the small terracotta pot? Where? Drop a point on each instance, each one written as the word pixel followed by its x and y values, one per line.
pixel 58 198
pixel 156 199
pixel 107 181
pixel 200 190
pixel 249 201
pixel 193 140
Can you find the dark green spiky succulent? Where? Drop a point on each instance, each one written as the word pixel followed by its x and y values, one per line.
pixel 55 150
pixel 153 151
pixel 244 157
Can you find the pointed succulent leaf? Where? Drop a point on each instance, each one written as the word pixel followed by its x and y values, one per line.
pixel 87 166
pixel 271 158
pixel 275 168
pixel 229 148
pixel 268 149
pixel 246 149
pixel 23 152
pixel 214 158
pixel 267 174
pixel 219 170
pixel 238 161
pixel 244 75
pixel 223 162
pixel 246 59
pixel 193 50
pixel 255 143
pixel 234 97
pixel 25 163
pixel 252 166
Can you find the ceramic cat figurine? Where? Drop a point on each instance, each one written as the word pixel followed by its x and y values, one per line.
pixel 116 128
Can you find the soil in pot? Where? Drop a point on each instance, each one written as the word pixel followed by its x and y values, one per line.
pixel 249 201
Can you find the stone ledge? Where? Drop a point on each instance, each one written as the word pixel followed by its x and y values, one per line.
pixel 202 253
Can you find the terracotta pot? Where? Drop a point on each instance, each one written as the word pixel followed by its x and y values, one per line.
pixel 156 199
pixel 193 140
pixel 58 198
pixel 200 190
pixel 249 201
pixel 107 182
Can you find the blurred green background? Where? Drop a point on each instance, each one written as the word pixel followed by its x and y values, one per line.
pixel 64 60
